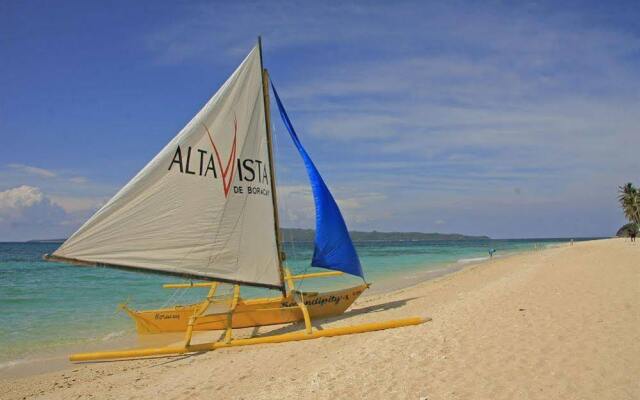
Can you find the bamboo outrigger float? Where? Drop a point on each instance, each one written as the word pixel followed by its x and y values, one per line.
pixel 194 214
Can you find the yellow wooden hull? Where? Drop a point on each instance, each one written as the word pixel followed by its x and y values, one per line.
pixel 248 313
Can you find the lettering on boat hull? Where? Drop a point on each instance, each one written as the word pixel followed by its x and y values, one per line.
pixel 321 300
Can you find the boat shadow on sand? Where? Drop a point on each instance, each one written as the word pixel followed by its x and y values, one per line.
pixel 317 324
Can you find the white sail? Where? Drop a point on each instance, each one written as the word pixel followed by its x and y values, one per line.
pixel 203 206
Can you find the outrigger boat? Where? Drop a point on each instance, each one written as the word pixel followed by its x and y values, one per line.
pixel 249 312
pixel 205 208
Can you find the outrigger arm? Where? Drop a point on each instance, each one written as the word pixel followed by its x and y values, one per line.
pixel 199 312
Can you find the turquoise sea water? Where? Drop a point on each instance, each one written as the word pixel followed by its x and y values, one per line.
pixel 46 305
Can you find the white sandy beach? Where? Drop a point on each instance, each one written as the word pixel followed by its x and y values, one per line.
pixel 562 323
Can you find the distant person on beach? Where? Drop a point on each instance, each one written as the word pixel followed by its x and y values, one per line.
pixel 491 251
pixel 632 234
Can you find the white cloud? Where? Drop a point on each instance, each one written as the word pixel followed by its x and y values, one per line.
pixel 19 198
pixel 360 209
pixel 78 204
pixel 428 112
pixel 447 136
pixel 80 180
pixel 27 213
pixel 28 169
pixel 76 194
pixel 237 24
pixel 296 206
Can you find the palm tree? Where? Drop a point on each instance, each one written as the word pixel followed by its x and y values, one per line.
pixel 629 198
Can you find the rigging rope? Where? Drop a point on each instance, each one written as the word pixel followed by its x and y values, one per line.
pixel 282 204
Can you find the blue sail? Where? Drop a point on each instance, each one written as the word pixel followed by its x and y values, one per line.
pixel 333 246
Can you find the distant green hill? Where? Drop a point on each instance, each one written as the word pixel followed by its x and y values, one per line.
pixel 307 235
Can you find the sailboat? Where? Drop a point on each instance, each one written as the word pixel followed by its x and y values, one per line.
pixel 205 208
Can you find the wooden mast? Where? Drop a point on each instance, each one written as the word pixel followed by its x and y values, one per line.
pixel 272 167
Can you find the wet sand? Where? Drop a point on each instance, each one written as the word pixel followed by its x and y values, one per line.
pixel 561 323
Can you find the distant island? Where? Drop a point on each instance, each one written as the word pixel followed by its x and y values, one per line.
pixel 308 235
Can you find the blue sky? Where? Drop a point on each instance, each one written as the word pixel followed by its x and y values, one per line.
pixel 508 119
